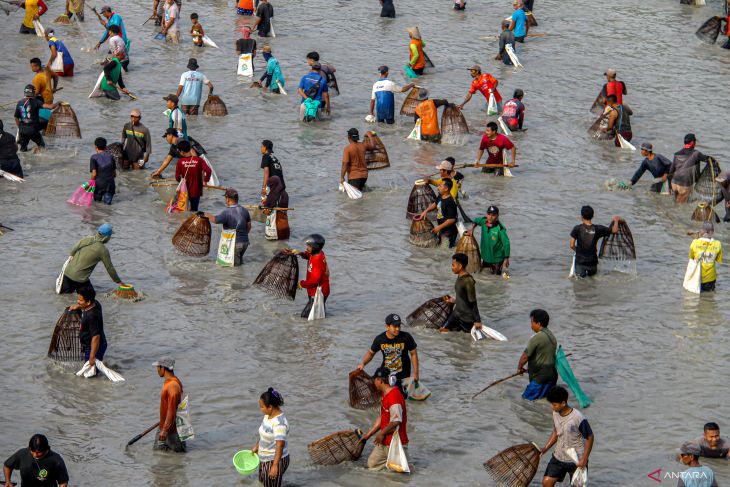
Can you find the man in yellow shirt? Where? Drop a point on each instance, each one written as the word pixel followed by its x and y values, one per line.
pixel 33 10
pixel 708 251
pixel 446 171
pixel 45 82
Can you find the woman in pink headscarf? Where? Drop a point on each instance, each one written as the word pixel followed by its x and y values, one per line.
pixel 245 7
pixel 246 45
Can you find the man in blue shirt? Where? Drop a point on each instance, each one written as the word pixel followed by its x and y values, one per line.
pixel 112 18
pixel 518 24
pixel 383 98
pixel 656 164
pixel 190 88
pixel 313 85
pixel 58 48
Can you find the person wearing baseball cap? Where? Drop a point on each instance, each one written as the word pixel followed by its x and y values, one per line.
pixel 191 88
pixel 382 99
pixel 172 137
pixel 107 19
pixel 233 218
pixel 612 87
pixel 398 349
pixel 494 245
pixel 136 141
pixel 709 251
pixel 83 258
pixel 393 416
pixel 354 167
pixel 656 164
pixel 486 84
pixel 172 393
pixel 446 171
pixel 696 475
pixel 175 117
pixel 685 169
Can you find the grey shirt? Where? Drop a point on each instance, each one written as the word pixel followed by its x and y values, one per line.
pixel 506 37
pixel 573 430
pixel 235 217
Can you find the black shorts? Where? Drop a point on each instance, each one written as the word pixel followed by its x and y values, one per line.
pixel 456 324
pixel 557 469
pixel 495 269
pixel 358 183
pixel 69 286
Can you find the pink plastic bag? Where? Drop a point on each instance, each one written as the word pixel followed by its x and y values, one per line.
pixel 84 195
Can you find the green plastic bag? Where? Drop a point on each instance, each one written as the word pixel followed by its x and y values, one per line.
pixel 566 373
pixel 409 71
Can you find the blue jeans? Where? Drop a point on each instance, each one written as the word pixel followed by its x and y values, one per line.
pixel 535 391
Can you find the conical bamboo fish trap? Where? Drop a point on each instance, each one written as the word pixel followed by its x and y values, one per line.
pixel 431 314
pixel 63 122
pixel 422 235
pixel 709 31
pixel 704 213
pixel 280 276
pixel 343 446
pixel 378 157
pixel 62 19
pixel 411 102
pixel 468 245
pixel 706 189
pixel 454 129
pixel 214 107
pixel 363 394
pixel 619 245
pixel 193 236
pixel 117 153
pixel 514 467
pixel 65 345
pixel 421 197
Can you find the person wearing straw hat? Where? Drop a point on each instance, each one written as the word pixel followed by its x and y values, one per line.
pixel 382 99
pixel 84 256
pixel 399 350
pixel 709 252
pixel 167 438
pixel 393 416
pixel 657 165
pixel 190 88
pixel 58 48
pixel 724 180
pixel 619 121
pixel 417 59
pixel 696 475
pixel 427 113
pixel 484 83
pixel 136 141
pixel 571 430
pixel 9 161
pixel 31 461
pixel 234 217
pixel 685 169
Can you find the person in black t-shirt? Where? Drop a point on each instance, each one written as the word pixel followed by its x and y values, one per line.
pixel 264 14
pixel 27 118
pixel 246 45
pixel 584 239
pixel 398 349
pixel 171 137
pixel 38 465
pixel 91 331
pixel 9 161
pixel 271 165
pixel 446 214
pixel 103 171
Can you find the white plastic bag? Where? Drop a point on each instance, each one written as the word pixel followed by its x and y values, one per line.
pixel 460 227
pixel 352 192
pixel 512 56
pixel 397 461
pixel 270 230
pixel 693 276
pixel 87 370
pixel 214 181
pixel 59 280
pixel 506 131
pixel 182 421
pixel 281 88
pixel 572 268
pixel 317 312
pixel 416 132
pixel 271 24
pixel 416 391
pixel 226 248
pixel 486 332
pixel 245 65
pixel 580 476
pixel 507 173
pixel 625 144
pixel 370 118
pixel 109 373
pixel 39 30
pixel 492 106
pixel 57 64
pixel 207 41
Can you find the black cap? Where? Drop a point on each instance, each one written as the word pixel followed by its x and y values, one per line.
pixel 493 210
pixel 382 373
pixel 689 138
pixel 170 131
pixel 354 134
pixel 393 319
pixel 383 69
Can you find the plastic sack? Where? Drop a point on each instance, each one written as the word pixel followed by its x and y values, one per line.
pixel 486 332
pixel 226 248
pixel 625 144
pixel 507 173
pixel 505 130
pixel 317 312
pixel 572 268
pixel 270 231
pixel 271 27
pixel 352 192
pixel 281 88
pixel 416 132
pixel 214 181
pixel 182 421
pixel 370 118
pixel 59 280
pixel 512 56
pixel 109 373
pixel 57 64
pixel 39 30
pixel 409 71
pixel 209 42
pixel 415 390
pixel 397 461
pixel 460 227
pixel 492 105
pixel 566 373
pixel 245 65
pixel 84 195
pixel 580 476
pixel 693 276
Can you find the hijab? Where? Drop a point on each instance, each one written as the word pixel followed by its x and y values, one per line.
pixel 277 195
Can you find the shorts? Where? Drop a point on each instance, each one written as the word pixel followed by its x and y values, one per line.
pixel 244 11
pixel 171 443
pixel 112 94
pixel 358 183
pixel 265 467
pixel 557 469
pixel 495 269
pixel 238 252
pixel 436 139
pixel 379 456
pixel 190 109
pixel 458 6
pixel 681 193
pixel 12 166
pixel 535 390
pixel 68 71
pixel 69 286
pixel 627 135
pixel 99 353
pixel 585 270
pixel 520 39
pixel 706 287
pixel 418 71
pixel 450 235
pixel 453 323
pixel 26 30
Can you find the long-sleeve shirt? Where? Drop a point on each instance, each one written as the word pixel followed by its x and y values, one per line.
pixel 685 168
pixel 658 167
pixel 318 274
pixel 466 307
pixel 115 19
pixel 170 398
pixel 494 246
pixel 88 252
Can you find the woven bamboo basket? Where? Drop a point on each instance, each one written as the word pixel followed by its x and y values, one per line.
pixel 706 189
pixel 705 213
pixel 421 197
pixel 214 107
pixel 65 345
pixel 280 276
pixel 63 123
pixel 709 31
pixel 126 292
pixel 431 314
pixel 363 394
pixel 514 467
pixel 468 245
pixel 618 246
pixel 117 153
pixel 343 446
pixel 454 129
pixel 411 102
pixel 378 157
pixel 422 235
pixel 62 19
pixel 193 236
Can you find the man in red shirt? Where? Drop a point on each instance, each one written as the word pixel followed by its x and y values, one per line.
pixel 318 272
pixel 393 416
pixel 484 83
pixel 495 144
pixel 195 171
pixel 613 87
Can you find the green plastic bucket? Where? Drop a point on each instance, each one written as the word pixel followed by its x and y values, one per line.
pixel 246 462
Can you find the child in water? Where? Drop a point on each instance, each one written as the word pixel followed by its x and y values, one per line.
pixel 196 30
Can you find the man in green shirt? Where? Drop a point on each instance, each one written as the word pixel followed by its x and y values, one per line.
pixel 466 311
pixel 88 252
pixel 494 245
pixel 539 357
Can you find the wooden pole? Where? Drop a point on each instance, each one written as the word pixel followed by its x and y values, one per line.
pixel 502 380
pixel 142 434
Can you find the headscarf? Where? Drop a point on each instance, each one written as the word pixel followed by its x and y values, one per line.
pixel 277 194
pixel 246 31
pixel 414 32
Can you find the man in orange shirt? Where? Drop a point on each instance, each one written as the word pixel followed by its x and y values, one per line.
pixel 172 390
pixel 417 59
pixel 484 83
pixel 427 112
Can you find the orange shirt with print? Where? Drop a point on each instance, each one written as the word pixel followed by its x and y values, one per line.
pixel 483 84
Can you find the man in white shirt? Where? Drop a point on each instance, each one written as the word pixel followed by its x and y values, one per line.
pixel 383 97
pixel 190 89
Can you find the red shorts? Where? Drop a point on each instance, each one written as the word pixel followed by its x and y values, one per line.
pixel 68 71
